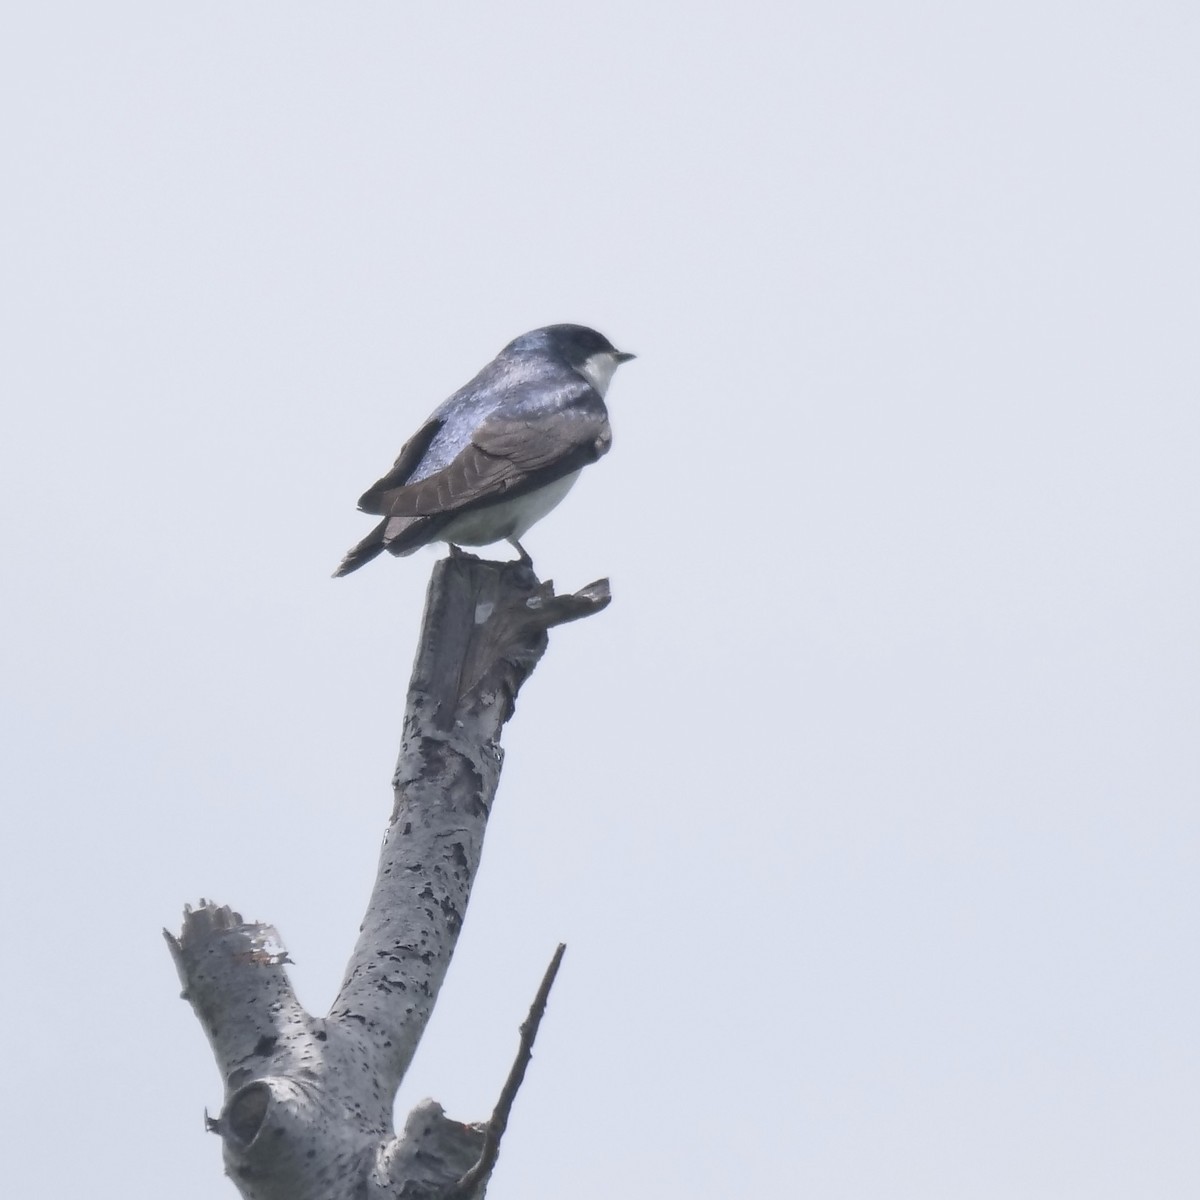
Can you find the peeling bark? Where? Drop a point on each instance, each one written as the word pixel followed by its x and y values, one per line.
pixel 308 1100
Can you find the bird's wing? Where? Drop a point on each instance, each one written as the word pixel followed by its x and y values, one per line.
pixel 410 457
pixel 506 457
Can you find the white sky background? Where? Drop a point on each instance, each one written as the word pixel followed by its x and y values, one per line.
pixel 868 810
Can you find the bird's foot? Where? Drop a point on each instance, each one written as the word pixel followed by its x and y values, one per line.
pixel 526 561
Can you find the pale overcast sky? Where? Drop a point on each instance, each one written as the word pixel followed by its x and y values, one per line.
pixel 869 811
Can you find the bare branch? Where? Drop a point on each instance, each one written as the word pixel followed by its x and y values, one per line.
pixel 494 1130
pixel 484 631
pixel 233 974
pixel 308 1101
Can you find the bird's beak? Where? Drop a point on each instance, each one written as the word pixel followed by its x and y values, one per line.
pixel 623 356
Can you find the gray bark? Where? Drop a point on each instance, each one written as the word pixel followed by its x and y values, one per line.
pixel 308 1100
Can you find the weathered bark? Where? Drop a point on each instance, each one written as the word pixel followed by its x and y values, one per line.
pixel 308 1100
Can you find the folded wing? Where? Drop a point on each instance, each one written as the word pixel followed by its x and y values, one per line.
pixel 507 456
pixel 409 459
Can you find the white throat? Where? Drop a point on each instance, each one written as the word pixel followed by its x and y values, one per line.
pixel 598 370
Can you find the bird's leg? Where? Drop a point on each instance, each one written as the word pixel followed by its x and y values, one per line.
pixel 456 551
pixel 526 561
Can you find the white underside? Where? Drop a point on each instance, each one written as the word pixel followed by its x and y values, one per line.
pixel 509 518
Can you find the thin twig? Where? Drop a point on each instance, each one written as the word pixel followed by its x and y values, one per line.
pixel 499 1122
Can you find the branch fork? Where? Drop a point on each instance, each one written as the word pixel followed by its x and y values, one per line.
pixel 308 1100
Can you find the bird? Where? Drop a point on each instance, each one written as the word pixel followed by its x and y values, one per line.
pixel 501 452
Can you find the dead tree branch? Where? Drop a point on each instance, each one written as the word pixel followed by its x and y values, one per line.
pixel 308 1100
pixel 470 1183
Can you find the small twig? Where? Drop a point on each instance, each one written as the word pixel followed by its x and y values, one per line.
pixel 551 610
pixel 496 1126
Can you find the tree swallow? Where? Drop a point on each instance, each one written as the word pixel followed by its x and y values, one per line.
pixel 501 452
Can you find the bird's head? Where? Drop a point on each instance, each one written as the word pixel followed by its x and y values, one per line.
pixel 583 349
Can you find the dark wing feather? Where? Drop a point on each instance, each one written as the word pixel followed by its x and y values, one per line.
pixel 410 456
pixel 507 457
